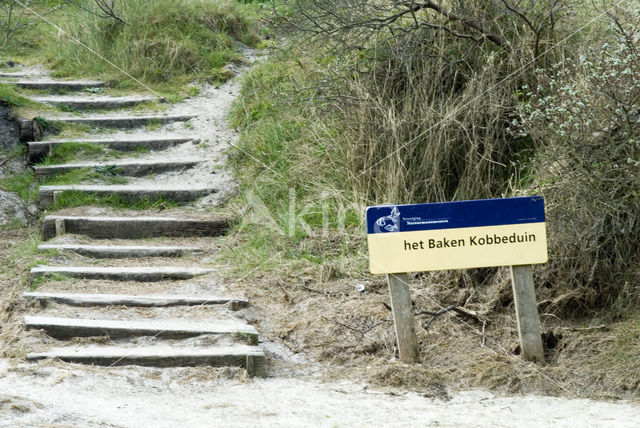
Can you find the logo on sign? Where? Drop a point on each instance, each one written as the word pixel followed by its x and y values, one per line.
pixel 388 223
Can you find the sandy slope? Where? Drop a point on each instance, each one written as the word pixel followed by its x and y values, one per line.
pixel 65 395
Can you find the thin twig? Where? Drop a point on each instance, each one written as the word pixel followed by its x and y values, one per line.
pixel 287 297
pixel 461 311
pixel 107 10
pixel 306 287
pixel 360 332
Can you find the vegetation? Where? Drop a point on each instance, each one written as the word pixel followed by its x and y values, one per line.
pixel 159 45
pixel 10 97
pixel 365 103
pixel 72 198
pixel 67 152
pixel 109 174
pixel 392 102
pixel 434 108
pixel 23 184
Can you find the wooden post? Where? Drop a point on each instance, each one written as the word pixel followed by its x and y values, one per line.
pixel 524 298
pixel 56 196
pixel 30 130
pixel 60 227
pixel 403 317
pixel 251 371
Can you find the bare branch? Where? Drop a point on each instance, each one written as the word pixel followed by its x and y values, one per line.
pixel 106 7
pixel 521 15
pixel 467 21
pixel 461 311
pixel 361 332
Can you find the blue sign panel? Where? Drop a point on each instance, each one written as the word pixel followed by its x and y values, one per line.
pixel 453 215
pixel 456 235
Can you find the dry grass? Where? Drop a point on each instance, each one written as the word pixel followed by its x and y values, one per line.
pixel 348 333
pixel 17 247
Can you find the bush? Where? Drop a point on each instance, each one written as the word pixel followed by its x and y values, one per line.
pixel 425 115
pixel 584 117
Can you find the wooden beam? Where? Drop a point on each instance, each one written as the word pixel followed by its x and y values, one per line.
pixel 524 298
pixel 403 317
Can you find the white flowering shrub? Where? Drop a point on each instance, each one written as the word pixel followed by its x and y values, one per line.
pixel 584 118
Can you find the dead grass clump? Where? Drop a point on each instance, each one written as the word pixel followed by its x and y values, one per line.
pixel 429 382
pixel 17 248
pixel 91 340
pixel 15 404
pixel 189 375
pixel 608 366
pixel 349 334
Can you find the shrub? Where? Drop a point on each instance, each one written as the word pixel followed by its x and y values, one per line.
pixel 584 117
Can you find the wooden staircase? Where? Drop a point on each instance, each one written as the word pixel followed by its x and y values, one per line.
pixel 180 313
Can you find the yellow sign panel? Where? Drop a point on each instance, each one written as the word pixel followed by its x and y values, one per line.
pixel 460 248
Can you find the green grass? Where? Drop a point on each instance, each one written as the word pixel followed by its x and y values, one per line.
pixel 190 38
pixel 51 126
pixel 11 97
pixel 23 257
pixel 153 125
pixel 67 152
pixel 14 223
pixel 301 200
pixel 23 184
pixel 167 46
pixel 53 276
pixel 105 175
pixel 74 198
pixel 142 150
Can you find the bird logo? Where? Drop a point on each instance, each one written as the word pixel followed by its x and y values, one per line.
pixel 389 223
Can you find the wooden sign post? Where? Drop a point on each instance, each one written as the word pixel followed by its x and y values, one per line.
pixel 460 235
pixel 524 299
pixel 403 317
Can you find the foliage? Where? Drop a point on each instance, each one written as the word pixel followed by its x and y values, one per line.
pixel 23 184
pixel 153 42
pixel 583 117
pixel 420 113
pixel 73 198
pixel 108 174
pixel 9 96
pixel 16 16
pixel 67 152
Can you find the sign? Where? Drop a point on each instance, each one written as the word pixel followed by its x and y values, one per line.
pixel 456 235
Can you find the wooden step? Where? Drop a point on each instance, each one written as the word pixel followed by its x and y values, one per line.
pixel 132 227
pixel 121 251
pixel 36 151
pixel 132 193
pixel 129 273
pixel 250 357
pixel 149 300
pixel 17 74
pixel 59 85
pixel 133 168
pixel 65 328
pixel 95 101
pixel 121 122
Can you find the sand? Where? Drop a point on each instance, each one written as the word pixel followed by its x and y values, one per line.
pixel 49 394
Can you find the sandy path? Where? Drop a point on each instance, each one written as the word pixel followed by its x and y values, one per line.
pixel 50 395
